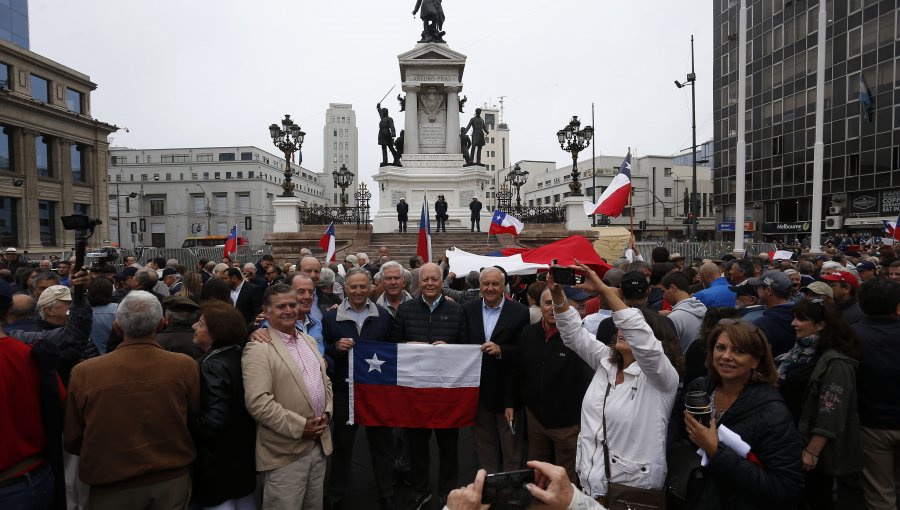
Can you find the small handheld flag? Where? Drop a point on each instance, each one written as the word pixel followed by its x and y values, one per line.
pixel 231 244
pixel 327 243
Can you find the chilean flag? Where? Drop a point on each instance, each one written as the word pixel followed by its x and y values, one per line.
pixel 231 244
pixel 327 243
pixel 613 201
pixel 503 223
pixel 890 228
pixel 414 385
pixel 423 248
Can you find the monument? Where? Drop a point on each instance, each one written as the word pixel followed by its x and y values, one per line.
pixel 432 156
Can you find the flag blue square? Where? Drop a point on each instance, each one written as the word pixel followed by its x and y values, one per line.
pixel 375 363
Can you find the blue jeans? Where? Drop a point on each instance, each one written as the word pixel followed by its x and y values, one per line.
pixel 34 491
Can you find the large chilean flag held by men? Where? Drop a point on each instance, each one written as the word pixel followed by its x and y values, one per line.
pixel 414 385
pixel 613 201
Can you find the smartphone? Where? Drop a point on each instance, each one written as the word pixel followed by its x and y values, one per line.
pixel 566 276
pixel 508 487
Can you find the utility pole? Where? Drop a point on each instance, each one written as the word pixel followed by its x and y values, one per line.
pixel 695 209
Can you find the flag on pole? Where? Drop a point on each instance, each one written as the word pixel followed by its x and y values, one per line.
pixel 613 201
pixel 503 223
pixel 414 385
pixel 423 248
pixel 891 230
pixel 865 99
pixel 231 244
pixel 327 243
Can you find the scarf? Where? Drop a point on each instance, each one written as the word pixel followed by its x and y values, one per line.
pixel 800 354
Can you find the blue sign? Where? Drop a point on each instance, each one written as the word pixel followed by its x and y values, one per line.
pixel 725 227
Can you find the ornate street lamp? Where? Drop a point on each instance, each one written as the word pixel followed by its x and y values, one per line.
pixel 289 139
pixel 518 178
pixel 573 140
pixel 342 179
pixel 504 196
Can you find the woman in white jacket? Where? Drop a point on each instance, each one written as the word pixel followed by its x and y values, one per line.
pixel 642 379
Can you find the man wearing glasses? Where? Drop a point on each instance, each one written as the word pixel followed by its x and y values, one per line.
pixel 250 275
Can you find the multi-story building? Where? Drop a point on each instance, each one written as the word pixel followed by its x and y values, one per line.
pixel 14 22
pixel 52 152
pixel 160 197
pixel 660 198
pixel 861 184
pixel 341 147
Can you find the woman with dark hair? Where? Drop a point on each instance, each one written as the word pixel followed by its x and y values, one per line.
pixel 224 433
pixel 751 447
pixel 216 289
pixel 695 357
pixel 22 280
pixel 626 409
pixel 817 379
pixel 191 287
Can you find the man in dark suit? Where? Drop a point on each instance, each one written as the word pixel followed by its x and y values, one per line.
pixel 246 297
pixel 496 323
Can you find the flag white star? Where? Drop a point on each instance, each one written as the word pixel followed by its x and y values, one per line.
pixel 375 363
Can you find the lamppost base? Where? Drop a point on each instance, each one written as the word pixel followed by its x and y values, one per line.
pixel 287 214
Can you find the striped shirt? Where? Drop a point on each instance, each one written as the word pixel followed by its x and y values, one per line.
pixel 309 366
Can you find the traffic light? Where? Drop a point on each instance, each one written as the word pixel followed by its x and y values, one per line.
pixel 642 225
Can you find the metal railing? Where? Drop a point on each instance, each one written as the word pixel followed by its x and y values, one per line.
pixel 190 256
pixel 705 250
pixel 546 214
pixel 322 215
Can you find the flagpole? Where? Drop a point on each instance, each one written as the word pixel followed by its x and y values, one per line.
pixel 630 206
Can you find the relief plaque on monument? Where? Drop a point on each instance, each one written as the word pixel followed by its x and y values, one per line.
pixel 432 118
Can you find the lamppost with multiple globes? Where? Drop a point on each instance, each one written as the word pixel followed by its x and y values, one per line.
pixel 573 140
pixel 342 179
pixel 517 178
pixel 289 139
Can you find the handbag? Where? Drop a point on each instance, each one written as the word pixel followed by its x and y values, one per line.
pixel 623 497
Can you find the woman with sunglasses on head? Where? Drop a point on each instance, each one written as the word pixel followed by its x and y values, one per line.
pixel 626 408
pixel 817 379
pixel 751 447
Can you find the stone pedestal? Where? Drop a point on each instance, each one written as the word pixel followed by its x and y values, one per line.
pixel 575 217
pixel 287 214
pixel 432 161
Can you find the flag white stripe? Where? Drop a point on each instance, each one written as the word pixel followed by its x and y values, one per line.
pixel 454 366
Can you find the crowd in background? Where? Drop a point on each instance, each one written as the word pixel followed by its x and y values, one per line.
pixel 225 385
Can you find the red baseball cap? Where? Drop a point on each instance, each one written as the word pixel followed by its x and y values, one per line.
pixel 842 276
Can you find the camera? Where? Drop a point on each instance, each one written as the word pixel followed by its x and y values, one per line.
pixel 102 257
pixel 508 487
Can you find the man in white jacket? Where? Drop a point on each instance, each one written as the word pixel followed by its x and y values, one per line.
pixel 687 312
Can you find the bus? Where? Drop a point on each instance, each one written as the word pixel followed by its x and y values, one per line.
pixel 209 241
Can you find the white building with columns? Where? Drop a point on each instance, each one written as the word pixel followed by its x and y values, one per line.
pixel 340 139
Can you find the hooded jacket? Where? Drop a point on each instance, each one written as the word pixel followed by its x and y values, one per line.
pixel 776 324
pixel 687 315
pixel 733 482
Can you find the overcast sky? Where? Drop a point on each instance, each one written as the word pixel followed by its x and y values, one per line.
pixel 202 73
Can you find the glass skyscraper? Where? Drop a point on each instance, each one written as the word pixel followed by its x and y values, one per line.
pixel 14 21
pixel 861 117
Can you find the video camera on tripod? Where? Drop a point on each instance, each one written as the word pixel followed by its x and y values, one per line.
pixel 84 229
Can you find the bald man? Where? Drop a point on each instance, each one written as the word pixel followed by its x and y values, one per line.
pixel 718 293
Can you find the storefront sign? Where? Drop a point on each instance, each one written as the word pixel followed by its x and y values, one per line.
pixel 863 204
pixel 749 226
pixel 889 202
pixel 798 227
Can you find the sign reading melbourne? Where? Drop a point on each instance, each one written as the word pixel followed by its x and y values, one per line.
pixel 797 227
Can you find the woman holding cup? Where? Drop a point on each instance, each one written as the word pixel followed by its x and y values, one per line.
pixel 632 391
pixel 751 449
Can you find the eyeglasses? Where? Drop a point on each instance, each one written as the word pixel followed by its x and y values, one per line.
pixel 248 274
pixel 271 272
pixel 738 322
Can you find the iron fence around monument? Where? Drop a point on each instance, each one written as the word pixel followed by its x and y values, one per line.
pixel 548 214
pixel 322 215
pixel 705 250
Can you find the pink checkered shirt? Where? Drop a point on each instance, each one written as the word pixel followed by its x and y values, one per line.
pixel 309 366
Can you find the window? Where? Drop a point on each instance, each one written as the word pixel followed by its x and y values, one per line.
pixel 157 207
pixel 244 203
pixel 218 175
pixel 667 172
pixel 42 154
pixel 143 177
pixel 222 229
pixel 158 235
pixel 5 149
pixel 206 175
pixel 220 203
pixel 47 222
pixel 119 160
pixel 175 158
pixel 249 175
pixel 80 209
pixel 777 145
pixel 4 76
pixel 226 156
pixel 168 177
pixel 246 156
pixel 73 100
pixel 9 222
pixel 240 175
pixel 199 203
pixel 119 178
pixel 667 192
pixel 40 90
pixel 667 212
pixel 77 157
pixel 204 157
pixel 193 176
pixel 228 175
pixel 555 198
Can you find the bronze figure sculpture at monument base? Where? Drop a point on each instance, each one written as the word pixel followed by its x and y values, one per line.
pixel 386 133
pixel 479 129
pixel 432 15
pixel 465 143
pixel 398 144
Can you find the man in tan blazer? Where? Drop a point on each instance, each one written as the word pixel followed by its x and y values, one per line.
pixel 289 395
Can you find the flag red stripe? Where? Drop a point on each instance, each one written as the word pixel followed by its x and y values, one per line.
pixel 616 202
pixel 422 246
pixel 400 406
pixel 499 229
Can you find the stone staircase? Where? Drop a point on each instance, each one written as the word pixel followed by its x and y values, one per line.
pixel 403 246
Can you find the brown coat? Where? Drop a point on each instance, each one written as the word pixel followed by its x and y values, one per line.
pixel 127 415
pixel 277 398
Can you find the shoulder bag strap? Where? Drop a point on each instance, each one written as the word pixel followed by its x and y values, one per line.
pixel 605 444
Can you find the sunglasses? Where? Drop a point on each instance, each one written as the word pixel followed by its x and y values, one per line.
pixel 738 322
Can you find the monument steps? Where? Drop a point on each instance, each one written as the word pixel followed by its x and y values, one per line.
pixel 403 246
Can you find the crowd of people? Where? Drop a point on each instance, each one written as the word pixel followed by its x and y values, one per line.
pixel 749 382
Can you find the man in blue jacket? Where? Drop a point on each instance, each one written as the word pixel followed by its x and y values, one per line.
pixel 774 291
pixel 718 293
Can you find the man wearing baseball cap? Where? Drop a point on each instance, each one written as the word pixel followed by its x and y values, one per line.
pixel 774 289
pixel 817 290
pixel 843 286
pixel 866 271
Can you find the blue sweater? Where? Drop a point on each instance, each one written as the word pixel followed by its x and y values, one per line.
pixel 337 324
pixel 718 294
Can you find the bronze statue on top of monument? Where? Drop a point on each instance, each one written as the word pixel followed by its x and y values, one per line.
pixel 433 12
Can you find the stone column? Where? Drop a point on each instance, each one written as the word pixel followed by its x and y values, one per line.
pixel 60 149
pixel 411 126
pixel 453 144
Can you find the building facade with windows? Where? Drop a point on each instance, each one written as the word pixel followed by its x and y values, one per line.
pixel 861 134
pixel 341 147
pixel 14 22
pixel 160 197
pixel 660 188
pixel 52 152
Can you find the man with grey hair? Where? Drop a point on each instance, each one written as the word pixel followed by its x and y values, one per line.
pixel 472 292
pixel 21 314
pixel 219 270
pixel 112 398
pixel 43 280
pixel 146 279
pixel 394 279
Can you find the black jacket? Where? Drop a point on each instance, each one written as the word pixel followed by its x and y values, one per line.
pixel 878 382
pixel 729 481
pixel 249 301
pixel 402 211
pixel 224 433
pixel 475 207
pixel 440 207
pixel 337 324
pixel 850 311
pixel 552 378
pixel 179 339
pixel 326 301
pixel 494 392
pixel 415 322
pixel 776 324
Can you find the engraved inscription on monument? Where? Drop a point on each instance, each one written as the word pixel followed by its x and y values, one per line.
pixel 432 135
